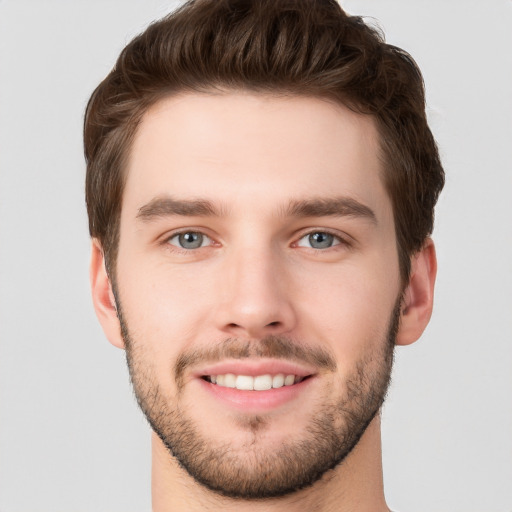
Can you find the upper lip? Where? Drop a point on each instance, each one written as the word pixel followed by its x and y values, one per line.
pixel 254 367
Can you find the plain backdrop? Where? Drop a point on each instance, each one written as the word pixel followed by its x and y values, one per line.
pixel 71 436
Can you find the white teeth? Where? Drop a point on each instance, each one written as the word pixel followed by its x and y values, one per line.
pixel 230 380
pixel 278 381
pixel 245 382
pixel 289 380
pixel 258 383
pixel 263 382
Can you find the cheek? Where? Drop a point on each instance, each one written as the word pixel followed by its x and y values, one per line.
pixel 349 309
pixel 160 307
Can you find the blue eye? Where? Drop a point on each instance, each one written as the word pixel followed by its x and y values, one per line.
pixel 190 240
pixel 319 240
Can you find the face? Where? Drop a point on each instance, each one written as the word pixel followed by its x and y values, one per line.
pixel 257 285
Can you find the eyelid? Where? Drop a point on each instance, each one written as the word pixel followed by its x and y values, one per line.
pixel 176 235
pixel 342 238
pixel 165 239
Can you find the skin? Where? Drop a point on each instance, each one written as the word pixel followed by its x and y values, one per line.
pixel 251 156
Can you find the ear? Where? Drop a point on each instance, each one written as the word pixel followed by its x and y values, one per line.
pixel 419 295
pixel 103 296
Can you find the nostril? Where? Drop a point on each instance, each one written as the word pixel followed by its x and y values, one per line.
pixel 273 324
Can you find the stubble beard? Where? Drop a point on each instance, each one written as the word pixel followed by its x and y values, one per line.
pixel 251 472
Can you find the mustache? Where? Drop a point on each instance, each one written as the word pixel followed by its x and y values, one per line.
pixel 276 347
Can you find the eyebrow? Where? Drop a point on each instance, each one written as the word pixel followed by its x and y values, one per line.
pixel 330 207
pixel 160 207
pixel 168 206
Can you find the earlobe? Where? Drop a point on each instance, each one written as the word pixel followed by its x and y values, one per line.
pixel 418 296
pixel 103 296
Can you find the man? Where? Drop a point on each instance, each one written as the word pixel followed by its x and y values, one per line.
pixel 261 182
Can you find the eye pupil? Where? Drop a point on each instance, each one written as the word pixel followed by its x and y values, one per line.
pixel 321 240
pixel 190 240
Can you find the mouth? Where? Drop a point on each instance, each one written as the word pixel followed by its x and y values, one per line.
pixel 254 383
pixel 256 386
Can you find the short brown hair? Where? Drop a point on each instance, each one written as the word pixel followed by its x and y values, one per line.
pixel 309 48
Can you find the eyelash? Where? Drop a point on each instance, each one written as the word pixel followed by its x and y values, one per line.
pixel 167 240
pixel 341 241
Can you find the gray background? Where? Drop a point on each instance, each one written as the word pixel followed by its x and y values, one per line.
pixel 71 437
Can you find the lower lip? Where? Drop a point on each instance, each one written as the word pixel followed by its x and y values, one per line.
pixel 256 401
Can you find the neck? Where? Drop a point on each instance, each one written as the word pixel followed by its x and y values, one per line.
pixel 356 484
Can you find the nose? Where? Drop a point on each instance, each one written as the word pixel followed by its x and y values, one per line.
pixel 256 295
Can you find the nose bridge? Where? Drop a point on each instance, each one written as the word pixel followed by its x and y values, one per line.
pixel 255 299
pixel 253 270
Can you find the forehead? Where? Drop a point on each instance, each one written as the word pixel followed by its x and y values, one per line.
pixel 243 148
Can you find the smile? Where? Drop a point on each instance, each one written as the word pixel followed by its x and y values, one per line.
pixel 254 383
pixel 256 386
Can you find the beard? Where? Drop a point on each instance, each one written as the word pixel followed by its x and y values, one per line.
pixel 254 471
